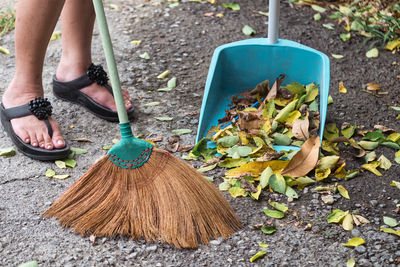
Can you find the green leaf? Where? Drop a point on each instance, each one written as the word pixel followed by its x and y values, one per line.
pixel 60 164
pixel 247 30
pixel 330 100
pixel 368 145
pixel 265 175
pixel 29 264
pixel 61 176
pixel 274 213
pixel 349 131
pixel 242 151
pixel 278 206
pixel 70 163
pixel 395 183
pixel 318 8
pixel 314 106
pixel 172 83
pixel 282 139
pixel 395 108
pixel 181 131
pixel 296 88
pixel 345 10
pixel 336 216
pixel 301 182
pixel 107 147
pixel 258 255
pixel 391 145
pixel 328 162
pixel 285 112
pixel 50 173
pixel 263 245
pixel 345 36
pixel 373 53
pixel 173 5
pixel 208 168
pixel 233 6
pixel 375 136
pixel 370 157
pixel 337 56
pixel 145 55
pixel 78 151
pixel 390 221
pixel 278 183
pixel 329 26
pixel 291 193
pixel 354 242
pixel 152 104
pixel 164 118
pixel 317 16
pixel 311 92
pixel 228 141
pixel 224 186
pixel 166 89
pixel 268 229
pixel 7 152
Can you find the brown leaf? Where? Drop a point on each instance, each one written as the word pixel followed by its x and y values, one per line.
pixel 155 139
pixel 384 129
pixel 173 147
pixel 184 148
pixel 300 128
pixel 250 120
pixel 305 160
pixel 82 140
pixel 173 139
pixel 209 14
pixel 271 156
pixel 373 86
pixel 246 185
pixel 274 90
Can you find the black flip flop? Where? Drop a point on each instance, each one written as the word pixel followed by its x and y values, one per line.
pixel 42 109
pixel 70 91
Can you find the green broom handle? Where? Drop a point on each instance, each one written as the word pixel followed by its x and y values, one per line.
pixel 110 58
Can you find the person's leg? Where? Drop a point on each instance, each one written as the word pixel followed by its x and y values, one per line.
pixel 35 22
pixel 77 20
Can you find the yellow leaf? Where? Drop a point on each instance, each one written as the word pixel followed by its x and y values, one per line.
pixel 256 195
pixel 4 50
pixel 342 89
pixel 390 231
pixel 372 167
pixel 163 75
pixel 395 183
pixel 219 15
pixel 293 116
pixel 354 242
pixel 341 172
pixel 351 262
pixel 348 222
pixel 321 174
pixel 243 137
pixel 373 86
pixel 258 255
pixel 237 192
pixel 393 44
pixel 343 192
pixel 136 42
pixel 394 137
pixel 55 35
pixel 255 168
pixel 267 126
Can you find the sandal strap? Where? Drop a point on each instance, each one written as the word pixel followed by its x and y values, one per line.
pixel 83 81
pixel 23 111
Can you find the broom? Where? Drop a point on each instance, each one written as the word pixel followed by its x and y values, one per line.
pixel 141 191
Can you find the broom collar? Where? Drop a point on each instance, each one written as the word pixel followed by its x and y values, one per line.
pixel 130 152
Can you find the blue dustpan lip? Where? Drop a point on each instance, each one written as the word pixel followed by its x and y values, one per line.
pixel 283 43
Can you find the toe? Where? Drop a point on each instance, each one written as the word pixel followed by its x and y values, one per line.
pixel 57 140
pixel 33 138
pixel 23 134
pixel 40 139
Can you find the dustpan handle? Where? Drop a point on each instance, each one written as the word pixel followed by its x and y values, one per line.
pixel 110 58
pixel 273 22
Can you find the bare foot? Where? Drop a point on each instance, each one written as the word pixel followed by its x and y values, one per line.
pixel 98 93
pixel 30 129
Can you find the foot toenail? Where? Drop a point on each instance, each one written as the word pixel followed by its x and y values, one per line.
pixel 49 147
pixel 41 145
pixel 34 144
pixel 27 140
pixel 60 142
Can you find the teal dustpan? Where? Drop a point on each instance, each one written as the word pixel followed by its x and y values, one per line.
pixel 239 66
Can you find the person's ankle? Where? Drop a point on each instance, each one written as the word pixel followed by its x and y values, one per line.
pixel 19 94
pixel 69 71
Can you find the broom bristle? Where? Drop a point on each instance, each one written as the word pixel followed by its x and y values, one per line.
pixel 165 199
